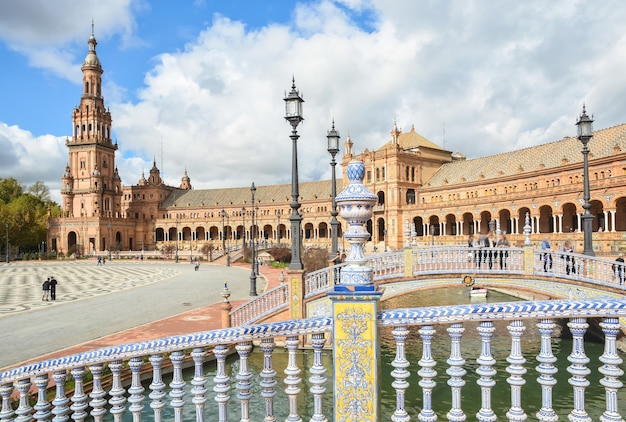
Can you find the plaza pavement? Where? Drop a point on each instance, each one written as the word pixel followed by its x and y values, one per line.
pixel 117 303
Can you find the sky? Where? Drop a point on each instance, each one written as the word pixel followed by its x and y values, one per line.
pixel 199 85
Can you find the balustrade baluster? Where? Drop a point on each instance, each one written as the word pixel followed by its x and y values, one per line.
pixel 117 400
pixel 156 387
pixel 578 369
pixel 136 389
pixel 516 369
pixel 244 377
pixel 222 383
pixel 199 390
pixel 6 414
pixel 292 380
pixel 486 371
pixel 400 374
pixel 61 409
pixel 177 385
pixel 456 371
pixel 42 407
pixel 79 398
pixel 24 409
pixel 317 378
pixel 268 379
pixel 427 373
pixel 611 370
pixel 546 370
pixel 97 395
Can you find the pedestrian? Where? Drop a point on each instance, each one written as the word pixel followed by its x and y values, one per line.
pixel 618 268
pixel 99 261
pixel 570 264
pixel 196 266
pixel 336 260
pixel 546 256
pixel 470 245
pixel 53 288
pixel 503 255
pixel 46 289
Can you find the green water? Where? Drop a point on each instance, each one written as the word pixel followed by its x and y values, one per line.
pixel 470 347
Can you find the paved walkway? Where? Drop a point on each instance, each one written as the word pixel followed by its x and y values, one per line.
pixel 117 303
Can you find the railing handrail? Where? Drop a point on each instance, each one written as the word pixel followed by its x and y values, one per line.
pixel 399 317
pixel 171 344
pixel 264 304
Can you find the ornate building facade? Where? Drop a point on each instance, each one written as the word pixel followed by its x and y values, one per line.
pixel 441 196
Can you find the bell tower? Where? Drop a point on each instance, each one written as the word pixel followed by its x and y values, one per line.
pixel 91 184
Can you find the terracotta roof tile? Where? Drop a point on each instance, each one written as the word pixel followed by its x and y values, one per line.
pixel 545 156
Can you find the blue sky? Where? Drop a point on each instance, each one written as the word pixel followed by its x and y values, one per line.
pixel 199 84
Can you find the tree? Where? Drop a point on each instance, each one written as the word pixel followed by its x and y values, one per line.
pixel 40 190
pixel 207 249
pixel 10 189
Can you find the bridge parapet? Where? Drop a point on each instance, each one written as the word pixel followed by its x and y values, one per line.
pixel 472 355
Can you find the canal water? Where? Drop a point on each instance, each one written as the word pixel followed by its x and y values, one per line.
pixel 470 347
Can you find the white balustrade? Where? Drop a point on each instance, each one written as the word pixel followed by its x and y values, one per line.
pixel 205 350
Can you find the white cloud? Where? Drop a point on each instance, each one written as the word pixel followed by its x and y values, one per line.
pixel 499 75
pixel 30 159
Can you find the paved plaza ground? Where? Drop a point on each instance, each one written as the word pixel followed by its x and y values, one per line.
pixel 94 302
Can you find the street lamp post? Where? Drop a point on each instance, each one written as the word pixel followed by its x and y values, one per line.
pixel 278 213
pixel 252 247
pixel 228 229
pixel 333 149
pixel 243 232
pixel 293 114
pixel 7 226
pixel 432 235
pixel 110 243
pixel 177 235
pixel 224 215
pixel 585 132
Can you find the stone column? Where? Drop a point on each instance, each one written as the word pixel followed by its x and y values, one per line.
pixel 355 308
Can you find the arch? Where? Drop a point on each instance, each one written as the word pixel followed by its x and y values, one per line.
pixel 569 220
pixel 186 233
pixel 159 234
pixel 433 223
pixel 322 230
pixel 172 233
pixel 450 225
pixel 118 241
pixel 418 225
pixel 214 233
pixel 597 210
pixel 485 219
pixel 308 231
pixel 369 226
pixel 267 231
pixel 521 215
pixel 282 232
pixel 200 233
pixel 381 231
pixel 620 214
pixel 506 225
pixel 410 196
pixel 468 223
pixel 546 222
pixel 72 240
pixel 381 197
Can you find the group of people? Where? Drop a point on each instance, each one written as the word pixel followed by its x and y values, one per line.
pixel 488 257
pixel 49 289
pixel 548 261
pixel 101 260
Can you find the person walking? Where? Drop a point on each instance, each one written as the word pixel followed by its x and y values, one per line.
pixel 570 264
pixel 46 289
pixel 53 288
pixel 336 260
pixel 547 254
pixel 503 255
pixel 618 268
